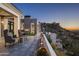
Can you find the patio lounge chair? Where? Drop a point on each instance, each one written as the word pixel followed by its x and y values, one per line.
pixel 8 39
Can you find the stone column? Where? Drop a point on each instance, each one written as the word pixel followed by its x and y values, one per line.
pixel 5 23
pixel 16 26
pixel 1 38
pixel 0 27
pixel 19 22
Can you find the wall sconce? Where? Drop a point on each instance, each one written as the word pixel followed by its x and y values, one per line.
pixel 2 22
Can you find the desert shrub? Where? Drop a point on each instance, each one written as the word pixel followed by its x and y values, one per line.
pixel 42 52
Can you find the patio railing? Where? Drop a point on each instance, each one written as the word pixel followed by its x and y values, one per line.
pixel 48 47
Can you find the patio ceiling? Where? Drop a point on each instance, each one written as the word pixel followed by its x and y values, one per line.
pixel 5 13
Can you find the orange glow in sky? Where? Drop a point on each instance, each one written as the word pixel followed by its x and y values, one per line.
pixel 72 28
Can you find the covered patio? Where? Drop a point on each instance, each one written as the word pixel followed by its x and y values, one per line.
pixel 10 19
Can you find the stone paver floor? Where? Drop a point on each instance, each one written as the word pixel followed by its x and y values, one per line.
pixel 27 48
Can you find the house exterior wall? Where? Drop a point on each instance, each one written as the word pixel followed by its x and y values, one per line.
pixel 22 24
pixel 32 27
pixel 35 25
pixel 28 22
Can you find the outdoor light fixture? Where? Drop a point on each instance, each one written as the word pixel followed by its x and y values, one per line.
pixel 2 22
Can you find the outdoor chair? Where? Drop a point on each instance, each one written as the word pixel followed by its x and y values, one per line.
pixel 20 36
pixel 8 39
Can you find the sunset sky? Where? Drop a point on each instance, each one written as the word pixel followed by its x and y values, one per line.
pixel 66 14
